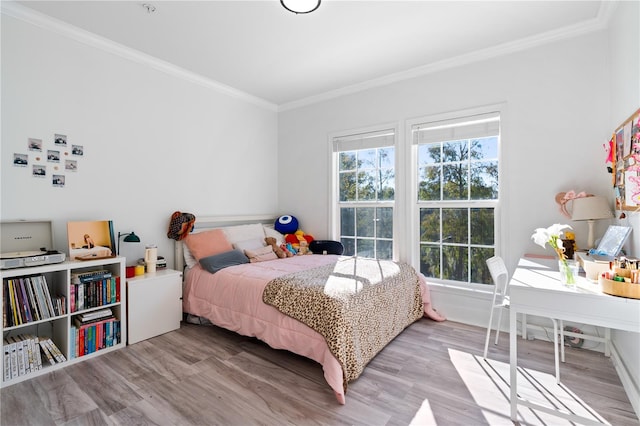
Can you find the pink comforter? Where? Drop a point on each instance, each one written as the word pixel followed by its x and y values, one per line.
pixel 232 298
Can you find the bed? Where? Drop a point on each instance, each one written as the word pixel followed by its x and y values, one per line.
pixel 318 306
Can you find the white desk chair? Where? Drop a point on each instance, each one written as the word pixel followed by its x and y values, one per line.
pixel 500 301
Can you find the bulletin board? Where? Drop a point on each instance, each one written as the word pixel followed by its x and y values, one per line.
pixel 625 149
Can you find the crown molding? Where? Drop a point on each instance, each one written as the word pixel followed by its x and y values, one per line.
pixel 598 23
pixel 43 21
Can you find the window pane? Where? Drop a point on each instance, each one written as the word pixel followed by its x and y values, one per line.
pixel 387 157
pixel 349 246
pixel 455 151
pixel 366 185
pixel 454 263
pixel 484 180
pixel 455 226
pixel 385 222
pixel 347 186
pixel 430 260
pixel 347 161
pixel 485 148
pixel 429 154
pixel 365 248
pixel 482 227
pixel 429 183
pixel 479 270
pixel 429 225
pixel 365 225
pixel 387 182
pixel 347 222
pixel 455 177
pixel 384 249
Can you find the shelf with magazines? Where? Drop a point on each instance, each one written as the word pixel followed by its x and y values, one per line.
pixel 47 310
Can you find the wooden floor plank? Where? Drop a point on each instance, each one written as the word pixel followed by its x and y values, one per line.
pixel 432 374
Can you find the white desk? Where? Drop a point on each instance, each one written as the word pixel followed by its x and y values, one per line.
pixel 535 289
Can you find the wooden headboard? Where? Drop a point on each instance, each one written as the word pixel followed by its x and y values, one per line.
pixel 211 222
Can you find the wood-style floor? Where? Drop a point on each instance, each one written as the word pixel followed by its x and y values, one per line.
pixel 432 374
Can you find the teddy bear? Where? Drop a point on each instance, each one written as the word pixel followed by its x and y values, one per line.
pixel 276 249
pixel 304 248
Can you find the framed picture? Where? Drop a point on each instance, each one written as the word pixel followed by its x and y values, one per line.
pixel 91 240
pixel 626 166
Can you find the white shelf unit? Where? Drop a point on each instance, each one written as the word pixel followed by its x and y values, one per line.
pixel 58 328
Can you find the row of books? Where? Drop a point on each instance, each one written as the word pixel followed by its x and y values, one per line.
pixel 28 299
pixel 93 289
pixel 25 354
pixel 94 331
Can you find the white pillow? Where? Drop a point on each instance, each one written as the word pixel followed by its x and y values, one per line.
pixel 252 244
pixel 238 233
pixel 270 232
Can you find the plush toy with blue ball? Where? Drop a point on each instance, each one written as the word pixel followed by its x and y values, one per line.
pixel 286 224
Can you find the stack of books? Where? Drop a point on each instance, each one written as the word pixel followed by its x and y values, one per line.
pixel 93 289
pixel 25 353
pixel 95 330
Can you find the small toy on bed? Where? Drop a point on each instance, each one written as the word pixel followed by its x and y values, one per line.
pixel 304 248
pixel 296 238
pixel 286 250
pixel 276 249
pixel 291 249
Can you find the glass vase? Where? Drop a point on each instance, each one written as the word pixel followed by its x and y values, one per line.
pixel 568 272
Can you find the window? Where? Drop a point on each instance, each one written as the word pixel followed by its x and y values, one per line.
pixel 366 185
pixel 457 196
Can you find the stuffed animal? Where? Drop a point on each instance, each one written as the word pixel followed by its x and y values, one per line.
pixel 304 248
pixel 285 250
pixel 277 250
pixel 297 237
pixel 291 249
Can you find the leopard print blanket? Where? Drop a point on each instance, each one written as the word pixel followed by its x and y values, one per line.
pixel 358 305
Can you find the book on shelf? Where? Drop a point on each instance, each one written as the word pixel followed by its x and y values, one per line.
pixel 45 350
pixel 84 277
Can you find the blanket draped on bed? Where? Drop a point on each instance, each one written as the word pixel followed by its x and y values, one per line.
pixel 358 305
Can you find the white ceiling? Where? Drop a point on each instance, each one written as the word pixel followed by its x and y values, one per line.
pixel 259 48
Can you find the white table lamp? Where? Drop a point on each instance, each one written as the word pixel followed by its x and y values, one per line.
pixel 590 209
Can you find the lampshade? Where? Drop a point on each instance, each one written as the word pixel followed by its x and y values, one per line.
pixel 129 237
pixel 590 209
pixel 300 6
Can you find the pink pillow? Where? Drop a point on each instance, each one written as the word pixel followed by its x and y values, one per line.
pixel 207 243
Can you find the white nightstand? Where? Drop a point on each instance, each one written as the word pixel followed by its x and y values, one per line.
pixel 154 304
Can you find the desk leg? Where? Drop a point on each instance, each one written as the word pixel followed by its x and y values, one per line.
pixel 513 362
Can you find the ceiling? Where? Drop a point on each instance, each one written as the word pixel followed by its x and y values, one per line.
pixel 260 49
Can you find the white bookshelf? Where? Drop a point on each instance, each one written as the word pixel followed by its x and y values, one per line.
pixel 58 328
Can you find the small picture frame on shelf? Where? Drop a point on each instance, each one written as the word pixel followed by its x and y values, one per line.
pixel 91 240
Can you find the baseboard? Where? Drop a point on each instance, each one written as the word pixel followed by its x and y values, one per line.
pixel 629 385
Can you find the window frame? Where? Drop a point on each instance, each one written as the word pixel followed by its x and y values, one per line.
pixel 414 204
pixel 400 177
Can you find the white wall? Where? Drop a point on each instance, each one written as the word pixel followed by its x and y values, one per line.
pixel 153 143
pixel 624 46
pixel 557 120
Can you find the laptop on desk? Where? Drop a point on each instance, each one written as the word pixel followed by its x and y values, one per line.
pixel 611 244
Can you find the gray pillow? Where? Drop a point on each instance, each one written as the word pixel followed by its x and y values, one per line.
pixel 222 260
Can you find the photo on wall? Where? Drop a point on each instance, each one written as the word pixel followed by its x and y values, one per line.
pixel 91 240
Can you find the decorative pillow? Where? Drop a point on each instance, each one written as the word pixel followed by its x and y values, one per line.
pixel 238 233
pixel 270 232
pixel 223 260
pixel 252 244
pixel 207 243
pixel 261 254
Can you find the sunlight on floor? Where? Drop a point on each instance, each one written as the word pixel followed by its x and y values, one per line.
pixel 487 381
